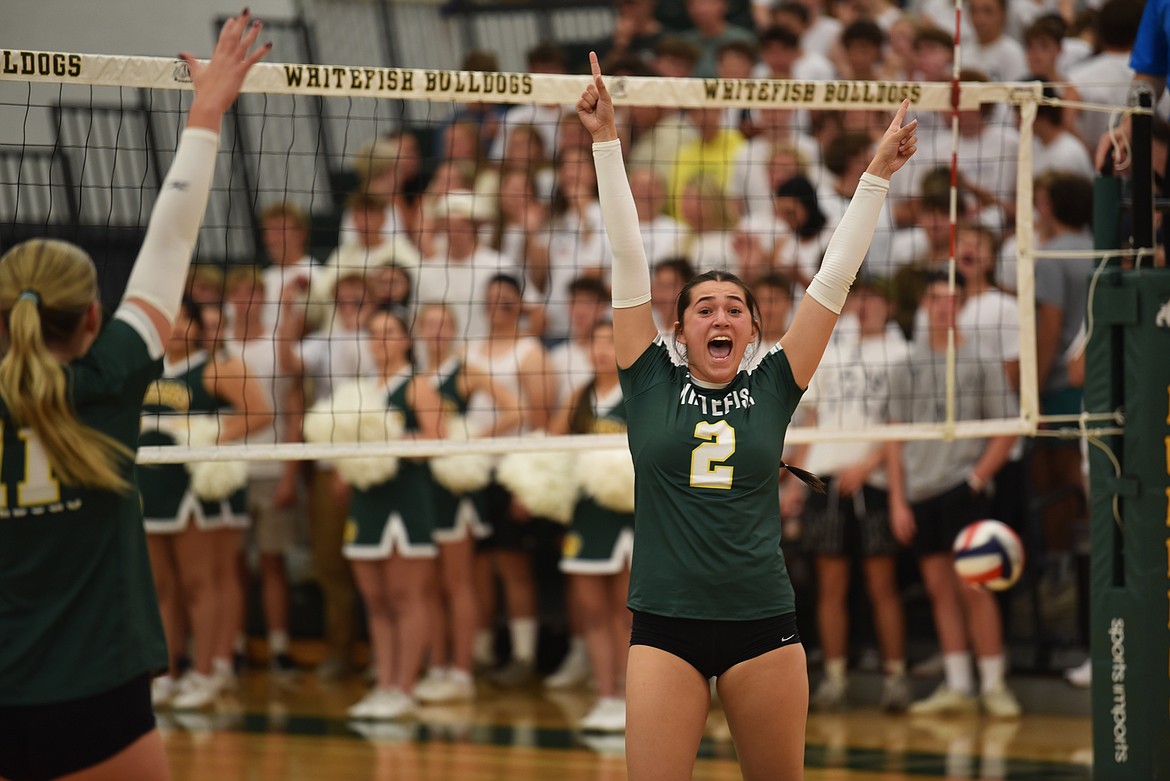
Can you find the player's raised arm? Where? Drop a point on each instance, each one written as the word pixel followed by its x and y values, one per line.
pixel 805 341
pixel 156 284
pixel 633 323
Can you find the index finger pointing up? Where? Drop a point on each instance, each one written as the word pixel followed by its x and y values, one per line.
pixel 900 115
pixel 595 67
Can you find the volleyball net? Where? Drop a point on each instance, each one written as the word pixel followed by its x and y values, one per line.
pixel 744 174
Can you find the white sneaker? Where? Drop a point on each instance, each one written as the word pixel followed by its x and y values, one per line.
pixel 574 670
pixel 382 705
pixel 944 702
pixel 1080 676
pixel 895 694
pixel 453 686
pixel 1000 703
pixel 429 684
pixel 608 715
pixel 830 695
pixel 224 675
pixel 196 691
pixel 162 690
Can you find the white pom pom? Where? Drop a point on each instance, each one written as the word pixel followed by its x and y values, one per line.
pixel 542 481
pixel 465 472
pixel 607 477
pixel 368 471
pixel 211 481
pixel 354 413
pixel 357 412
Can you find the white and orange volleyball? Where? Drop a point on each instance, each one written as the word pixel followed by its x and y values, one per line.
pixel 989 554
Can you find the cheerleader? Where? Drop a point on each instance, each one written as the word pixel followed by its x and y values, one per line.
pixel 193 542
pixel 458 521
pixel 389 535
pixel 518 364
pixel 600 542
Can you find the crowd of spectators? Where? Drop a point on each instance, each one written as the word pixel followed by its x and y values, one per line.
pixel 501 229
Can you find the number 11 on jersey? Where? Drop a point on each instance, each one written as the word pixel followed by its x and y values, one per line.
pixel 38 487
pixel 707 468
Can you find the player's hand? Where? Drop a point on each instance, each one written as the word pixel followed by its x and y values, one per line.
pixel 898 145
pixel 902 522
pixel 595 108
pixel 217 83
pixel 1106 146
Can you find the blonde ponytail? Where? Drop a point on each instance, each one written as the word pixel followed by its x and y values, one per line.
pixel 46 288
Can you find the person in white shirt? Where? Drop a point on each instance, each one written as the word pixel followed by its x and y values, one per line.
pixel 335 353
pixel 1054 147
pixel 542 58
pixel 797 205
pixel 460 276
pixel 1104 78
pixel 993 52
pixel 666 281
pixel 709 214
pixel 850 392
pixel 385 167
pixel 753 178
pixel 275 500
pixel 284 232
pixel 577 244
pixel 568 362
pixel 662 235
pixel 783 54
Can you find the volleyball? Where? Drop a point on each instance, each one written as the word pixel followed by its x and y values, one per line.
pixel 989 554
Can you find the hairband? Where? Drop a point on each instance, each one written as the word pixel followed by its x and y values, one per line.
pixel 30 295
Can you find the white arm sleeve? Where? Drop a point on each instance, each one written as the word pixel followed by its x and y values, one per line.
pixel 849 244
pixel 631 271
pixel 160 271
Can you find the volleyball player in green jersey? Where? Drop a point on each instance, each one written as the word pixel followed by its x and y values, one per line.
pixel 597 547
pixel 708 587
pixel 194 544
pixel 458 519
pixel 389 532
pixel 79 627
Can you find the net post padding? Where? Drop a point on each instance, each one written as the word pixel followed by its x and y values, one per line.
pixel 1026 263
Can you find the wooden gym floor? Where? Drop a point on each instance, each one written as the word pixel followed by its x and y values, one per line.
pixel 271 730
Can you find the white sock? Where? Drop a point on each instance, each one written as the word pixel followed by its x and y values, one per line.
pixel 458 676
pixel 577 647
pixel 523 634
pixel 895 668
pixel 957 669
pixel 991 672
pixel 483 648
pixel 835 669
pixel 277 641
pixel 222 666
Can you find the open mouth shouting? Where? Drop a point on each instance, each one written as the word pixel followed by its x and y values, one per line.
pixel 720 348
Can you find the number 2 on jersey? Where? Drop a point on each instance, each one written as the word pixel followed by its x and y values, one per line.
pixel 707 468
pixel 38 486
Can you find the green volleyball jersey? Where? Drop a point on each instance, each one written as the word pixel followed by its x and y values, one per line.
pixel 78 612
pixel 707 508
